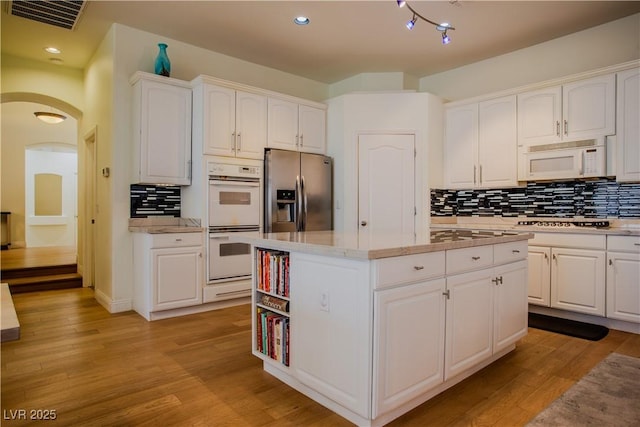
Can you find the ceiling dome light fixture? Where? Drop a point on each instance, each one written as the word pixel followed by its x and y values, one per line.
pixel 301 20
pixel 53 50
pixel 442 27
pixel 49 117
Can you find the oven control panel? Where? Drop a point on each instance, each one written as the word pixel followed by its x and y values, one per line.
pixel 234 171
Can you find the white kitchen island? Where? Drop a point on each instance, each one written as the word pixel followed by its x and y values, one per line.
pixel 372 329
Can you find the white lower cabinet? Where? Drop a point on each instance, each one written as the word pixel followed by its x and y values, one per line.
pixel 510 304
pixel 567 271
pixel 469 321
pixel 168 272
pixel 578 280
pixel 539 276
pixel 623 278
pixel 408 343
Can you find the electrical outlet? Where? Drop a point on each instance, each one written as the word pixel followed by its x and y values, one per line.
pixel 324 301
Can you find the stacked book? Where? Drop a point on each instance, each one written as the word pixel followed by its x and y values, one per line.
pixel 273 271
pixel 272 332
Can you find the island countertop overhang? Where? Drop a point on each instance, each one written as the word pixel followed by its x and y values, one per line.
pixel 355 246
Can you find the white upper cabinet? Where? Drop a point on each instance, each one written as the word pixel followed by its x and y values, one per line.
pixel 481 145
pixel 162 130
pixel 580 109
pixel 461 145
pixel 229 122
pixel 628 126
pixel 294 126
pixel 497 143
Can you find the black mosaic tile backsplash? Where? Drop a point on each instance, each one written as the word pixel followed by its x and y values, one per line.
pixel 152 200
pixel 602 198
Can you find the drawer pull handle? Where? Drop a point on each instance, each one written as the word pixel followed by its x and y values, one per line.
pixel 637 244
pixel 418 267
pixel 475 258
pixel 178 240
pixel 515 251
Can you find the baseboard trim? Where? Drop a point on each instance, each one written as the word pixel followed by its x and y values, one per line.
pixel 110 305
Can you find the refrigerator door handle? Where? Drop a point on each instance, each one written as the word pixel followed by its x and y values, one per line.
pixel 304 205
pixel 298 203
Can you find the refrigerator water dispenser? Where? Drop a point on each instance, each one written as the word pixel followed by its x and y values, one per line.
pixel 286 202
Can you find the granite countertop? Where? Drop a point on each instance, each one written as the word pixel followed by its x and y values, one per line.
pixel 616 227
pixel 160 225
pixel 351 245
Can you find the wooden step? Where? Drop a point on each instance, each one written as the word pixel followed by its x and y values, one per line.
pixel 44 283
pixel 48 270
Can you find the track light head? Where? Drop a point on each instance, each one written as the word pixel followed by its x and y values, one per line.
pixel 445 38
pixel 401 3
pixel 412 23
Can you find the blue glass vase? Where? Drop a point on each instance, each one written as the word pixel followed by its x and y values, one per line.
pixel 163 65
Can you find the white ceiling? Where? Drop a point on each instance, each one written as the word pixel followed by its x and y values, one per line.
pixel 344 38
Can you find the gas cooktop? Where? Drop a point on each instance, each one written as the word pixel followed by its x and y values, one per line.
pixel 592 224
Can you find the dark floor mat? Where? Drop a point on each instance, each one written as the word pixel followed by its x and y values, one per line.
pixel 572 328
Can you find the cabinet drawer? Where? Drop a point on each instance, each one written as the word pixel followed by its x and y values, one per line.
pixel 467 259
pixel 623 243
pixel 408 268
pixel 175 240
pixel 569 240
pixel 508 252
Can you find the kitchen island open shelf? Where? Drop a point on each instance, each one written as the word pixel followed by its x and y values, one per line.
pixel 372 329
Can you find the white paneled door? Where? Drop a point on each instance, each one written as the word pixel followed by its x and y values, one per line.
pixel 386 185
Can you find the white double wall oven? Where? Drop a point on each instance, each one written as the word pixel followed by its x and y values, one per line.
pixel 233 198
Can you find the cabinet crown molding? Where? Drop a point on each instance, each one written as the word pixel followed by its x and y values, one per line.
pixel 548 83
pixel 204 79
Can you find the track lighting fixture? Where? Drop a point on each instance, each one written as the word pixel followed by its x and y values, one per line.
pixel 442 27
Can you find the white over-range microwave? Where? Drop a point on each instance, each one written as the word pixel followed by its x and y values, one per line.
pixel 566 160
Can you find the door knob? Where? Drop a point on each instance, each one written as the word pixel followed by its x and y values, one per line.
pixel 363 223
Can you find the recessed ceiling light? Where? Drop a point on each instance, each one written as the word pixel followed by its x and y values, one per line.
pixel 301 20
pixel 52 49
pixel 56 61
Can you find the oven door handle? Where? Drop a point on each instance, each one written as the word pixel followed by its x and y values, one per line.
pixel 219 183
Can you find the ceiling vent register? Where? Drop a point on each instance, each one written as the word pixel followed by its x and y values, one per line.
pixel 59 13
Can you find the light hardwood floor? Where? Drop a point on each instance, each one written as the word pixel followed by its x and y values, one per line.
pixel 98 369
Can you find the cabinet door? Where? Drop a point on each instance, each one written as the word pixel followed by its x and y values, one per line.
pixel 312 129
pixel 176 277
pixel 589 107
pixel 165 133
pixel 539 282
pixel 623 286
pixel 461 146
pixel 539 116
pixel 628 126
pixel 219 118
pixel 469 332
pixel 578 280
pixel 251 125
pixel 408 343
pixel 282 130
pixel 510 304
pixel 497 134
pixel 330 328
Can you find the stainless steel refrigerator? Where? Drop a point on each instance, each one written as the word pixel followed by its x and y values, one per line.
pixel 298 190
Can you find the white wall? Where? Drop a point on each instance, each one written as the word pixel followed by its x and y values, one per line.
pixel 608 44
pixel 404 112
